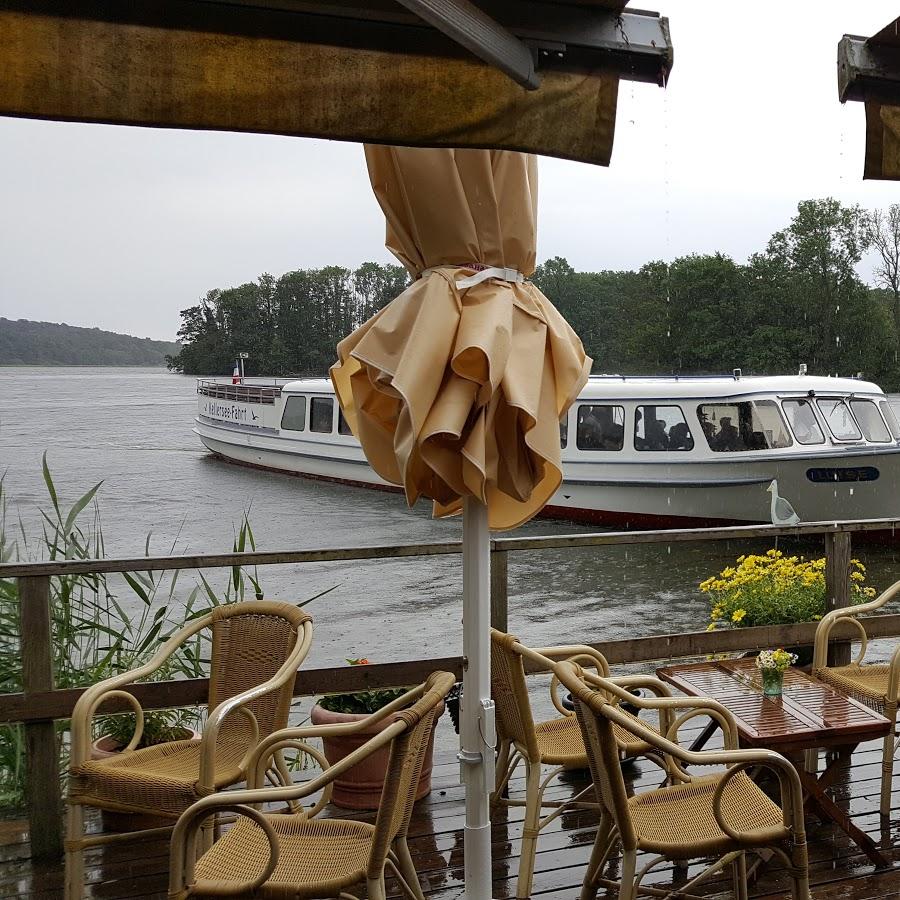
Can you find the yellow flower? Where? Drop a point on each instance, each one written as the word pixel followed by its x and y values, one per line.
pixel 716 613
pixel 711 626
pixel 738 614
pixel 857 576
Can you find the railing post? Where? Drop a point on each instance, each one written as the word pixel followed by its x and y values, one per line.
pixel 499 590
pixel 42 788
pixel 837 587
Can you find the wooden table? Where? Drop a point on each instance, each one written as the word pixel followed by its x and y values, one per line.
pixel 809 715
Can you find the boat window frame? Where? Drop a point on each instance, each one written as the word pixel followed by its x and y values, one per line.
pixel 771 402
pixel 887 440
pixel 644 404
pixel 843 400
pixel 890 417
pixel 284 411
pixel 615 406
pixel 817 418
pixel 324 398
pixel 342 420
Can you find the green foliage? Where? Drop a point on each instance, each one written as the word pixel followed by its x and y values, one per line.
pixel 288 325
pixel 774 589
pixel 360 702
pixel 99 631
pixel 24 343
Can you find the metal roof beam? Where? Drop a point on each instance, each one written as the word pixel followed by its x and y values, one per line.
pixel 473 29
pixel 867 70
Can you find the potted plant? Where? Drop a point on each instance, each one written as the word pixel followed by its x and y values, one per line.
pixel 774 589
pixel 360 787
pixel 772 665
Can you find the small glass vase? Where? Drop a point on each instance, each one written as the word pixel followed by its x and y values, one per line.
pixel 772 682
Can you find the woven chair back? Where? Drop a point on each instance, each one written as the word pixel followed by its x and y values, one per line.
pixel 510 693
pixel 602 752
pixel 250 643
pixel 408 751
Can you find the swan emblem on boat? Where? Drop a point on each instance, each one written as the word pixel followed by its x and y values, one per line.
pixel 782 512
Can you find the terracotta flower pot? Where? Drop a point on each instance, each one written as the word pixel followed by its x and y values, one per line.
pixel 105 747
pixel 360 787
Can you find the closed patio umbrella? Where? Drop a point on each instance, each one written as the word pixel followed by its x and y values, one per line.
pixel 455 389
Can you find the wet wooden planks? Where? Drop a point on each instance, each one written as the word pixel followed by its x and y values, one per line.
pixel 837 868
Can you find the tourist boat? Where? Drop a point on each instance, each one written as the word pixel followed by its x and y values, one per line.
pixel 637 451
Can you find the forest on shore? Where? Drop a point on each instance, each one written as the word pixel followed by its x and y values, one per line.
pixel 798 300
pixel 26 343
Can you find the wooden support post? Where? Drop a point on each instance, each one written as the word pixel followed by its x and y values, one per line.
pixel 42 788
pixel 837 587
pixel 499 590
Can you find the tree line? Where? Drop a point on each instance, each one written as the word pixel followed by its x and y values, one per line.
pixel 26 343
pixel 800 300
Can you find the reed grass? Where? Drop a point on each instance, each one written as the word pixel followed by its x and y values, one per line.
pixel 96 630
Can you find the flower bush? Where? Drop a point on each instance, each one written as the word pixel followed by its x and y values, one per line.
pixel 360 702
pixel 774 589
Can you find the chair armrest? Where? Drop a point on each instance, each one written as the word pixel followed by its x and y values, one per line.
pixel 893 688
pixel 97 694
pixel 183 852
pixel 544 655
pixel 669 707
pixel 829 620
pixel 659 688
pixel 791 798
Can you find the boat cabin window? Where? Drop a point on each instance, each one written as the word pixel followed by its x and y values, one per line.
pixel 600 427
pixel 294 416
pixel 321 414
pixel 802 418
pixel 839 418
pixel 564 432
pixel 890 418
pixel 343 426
pixel 661 428
pixel 870 421
pixel 740 426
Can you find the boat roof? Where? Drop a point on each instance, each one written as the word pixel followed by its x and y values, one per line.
pixel 678 386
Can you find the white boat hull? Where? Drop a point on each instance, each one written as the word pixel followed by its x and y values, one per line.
pixel 622 493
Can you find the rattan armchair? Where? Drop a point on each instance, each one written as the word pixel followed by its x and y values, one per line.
pixel 721 815
pixel 556 742
pixel 256 649
pixel 878 686
pixel 299 855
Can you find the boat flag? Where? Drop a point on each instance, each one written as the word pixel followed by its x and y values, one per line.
pixel 236 375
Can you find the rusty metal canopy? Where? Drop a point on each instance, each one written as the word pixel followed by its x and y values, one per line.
pixel 869 71
pixel 537 75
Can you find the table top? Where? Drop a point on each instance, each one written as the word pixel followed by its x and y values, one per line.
pixel 809 714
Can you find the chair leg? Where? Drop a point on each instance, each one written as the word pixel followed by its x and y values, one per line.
pixel 887 772
pixel 375 888
pixel 530 829
pixel 739 871
pixel 800 887
pixel 407 868
pixel 500 776
pixel 74 852
pixel 599 856
pixel 628 888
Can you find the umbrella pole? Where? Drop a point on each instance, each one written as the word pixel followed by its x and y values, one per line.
pixel 477 732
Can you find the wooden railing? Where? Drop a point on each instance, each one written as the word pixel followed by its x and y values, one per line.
pixel 39 705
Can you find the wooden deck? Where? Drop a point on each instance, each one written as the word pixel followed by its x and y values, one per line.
pixel 837 868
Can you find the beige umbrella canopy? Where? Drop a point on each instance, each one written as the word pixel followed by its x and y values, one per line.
pixel 456 388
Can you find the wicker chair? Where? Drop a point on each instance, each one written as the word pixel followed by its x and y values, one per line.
pixel 257 648
pixel 721 815
pixel 298 855
pixel 556 742
pixel 878 686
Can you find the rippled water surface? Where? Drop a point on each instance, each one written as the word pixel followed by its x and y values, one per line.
pixel 131 429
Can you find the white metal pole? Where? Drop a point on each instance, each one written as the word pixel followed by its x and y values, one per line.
pixel 477 731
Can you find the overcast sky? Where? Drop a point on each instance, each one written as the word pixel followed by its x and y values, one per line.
pixel 123 227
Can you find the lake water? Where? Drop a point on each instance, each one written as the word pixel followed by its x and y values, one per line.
pixel 131 429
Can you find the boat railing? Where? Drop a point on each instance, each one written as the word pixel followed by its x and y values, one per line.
pixel 40 704
pixel 242 392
